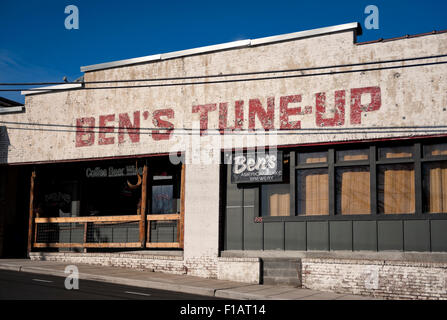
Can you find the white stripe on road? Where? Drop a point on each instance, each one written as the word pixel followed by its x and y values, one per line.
pixel 40 280
pixel 137 293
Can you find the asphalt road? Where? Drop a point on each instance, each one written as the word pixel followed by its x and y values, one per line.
pixel 29 286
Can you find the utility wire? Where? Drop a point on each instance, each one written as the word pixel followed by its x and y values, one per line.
pixel 235 133
pixel 230 75
pixel 195 131
pixel 217 129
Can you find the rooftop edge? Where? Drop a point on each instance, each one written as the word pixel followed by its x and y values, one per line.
pixel 225 46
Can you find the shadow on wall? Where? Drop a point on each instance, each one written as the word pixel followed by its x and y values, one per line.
pixel 4 144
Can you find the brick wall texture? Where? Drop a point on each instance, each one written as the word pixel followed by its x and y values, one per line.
pixel 166 264
pixel 377 278
pixel 205 267
pixel 382 279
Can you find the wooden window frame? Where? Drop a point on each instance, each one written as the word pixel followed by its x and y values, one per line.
pixel 142 217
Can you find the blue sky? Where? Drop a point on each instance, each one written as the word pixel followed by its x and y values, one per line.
pixel 35 46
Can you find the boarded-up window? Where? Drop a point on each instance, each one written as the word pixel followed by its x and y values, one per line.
pixel 435 187
pixel 400 152
pixel 275 200
pixel 353 190
pixel 312 157
pixel 434 150
pixel 396 189
pixel 352 155
pixel 313 191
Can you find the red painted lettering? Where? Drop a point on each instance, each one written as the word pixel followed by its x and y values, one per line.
pixel 339 115
pixel 85 136
pixel 285 112
pixel 266 117
pixel 203 110
pixel 103 129
pixel 356 102
pixel 132 129
pixel 238 116
pixel 158 122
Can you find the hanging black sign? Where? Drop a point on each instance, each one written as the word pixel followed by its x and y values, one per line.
pixel 257 167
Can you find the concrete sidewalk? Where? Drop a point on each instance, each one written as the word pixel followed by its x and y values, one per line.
pixel 178 283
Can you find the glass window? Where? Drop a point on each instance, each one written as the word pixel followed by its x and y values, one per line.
pixel 275 200
pixel 312 157
pixel 104 196
pixel 396 152
pixel 313 191
pixel 3 182
pixel 163 200
pixel 353 190
pixel 164 195
pixel 396 189
pixel 352 155
pixel 433 150
pixel 435 187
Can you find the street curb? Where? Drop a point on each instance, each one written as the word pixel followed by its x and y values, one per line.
pixel 228 294
pixel 211 292
pixel 223 293
pixel 11 267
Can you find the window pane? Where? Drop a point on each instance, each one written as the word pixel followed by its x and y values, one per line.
pixel 312 157
pixel 396 152
pixel 434 150
pixel 110 196
pixel 396 189
pixel 275 200
pixel 435 187
pixel 159 178
pixel 313 192
pixel 162 199
pixel 353 190
pixel 353 155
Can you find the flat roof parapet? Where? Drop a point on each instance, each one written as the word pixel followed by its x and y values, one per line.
pixel 226 46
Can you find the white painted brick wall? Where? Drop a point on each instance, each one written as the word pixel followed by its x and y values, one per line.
pixel 234 269
pixel 384 279
pixel 378 278
pixel 201 246
pixel 166 264
pixel 246 270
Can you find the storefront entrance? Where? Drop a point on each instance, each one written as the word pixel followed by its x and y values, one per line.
pixel 14 194
pixel 370 196
pixel 125 203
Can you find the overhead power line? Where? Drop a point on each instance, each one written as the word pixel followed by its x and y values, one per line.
pixel 36 124
pixel 51 127
pixel 332 72
pixel 223 81
pixel 236 133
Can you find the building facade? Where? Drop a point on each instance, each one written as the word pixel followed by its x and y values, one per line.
pixel 307 158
